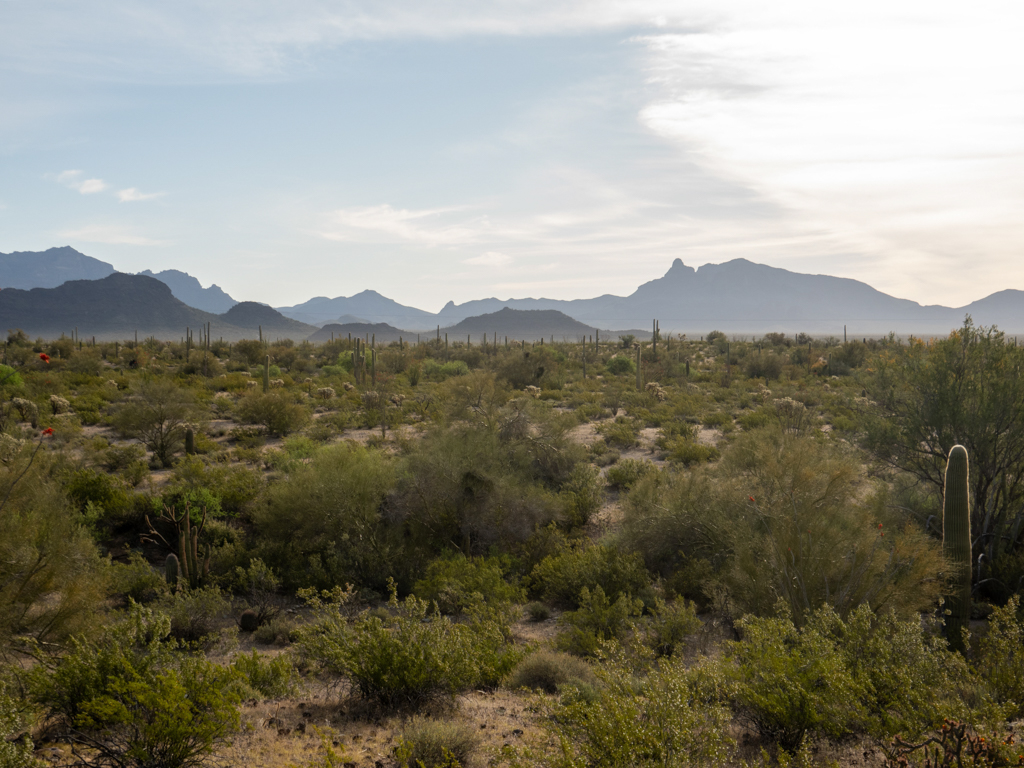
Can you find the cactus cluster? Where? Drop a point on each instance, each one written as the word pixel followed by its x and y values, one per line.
pixel 190 567
pixel 956 545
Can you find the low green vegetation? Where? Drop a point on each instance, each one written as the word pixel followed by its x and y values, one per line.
pixel 738 546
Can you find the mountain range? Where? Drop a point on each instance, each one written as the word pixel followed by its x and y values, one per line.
pixel 738 297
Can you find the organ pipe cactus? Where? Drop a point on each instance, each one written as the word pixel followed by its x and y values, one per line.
pixel 190 566
pixel 956 545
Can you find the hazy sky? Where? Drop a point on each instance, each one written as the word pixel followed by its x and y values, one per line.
pixel 285 149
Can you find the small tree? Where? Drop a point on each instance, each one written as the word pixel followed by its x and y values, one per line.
pixel 157 414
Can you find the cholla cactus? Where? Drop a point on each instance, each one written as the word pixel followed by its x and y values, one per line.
pixel 397 400
pixel 325 393
pixel 59 405
pixel 277 382
pixel 532 391
pixel 29 411
pixel 348 387
pixel 9 447
pixel 654 388
pixel 252 384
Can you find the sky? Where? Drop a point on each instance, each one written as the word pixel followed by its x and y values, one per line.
pixel 448 150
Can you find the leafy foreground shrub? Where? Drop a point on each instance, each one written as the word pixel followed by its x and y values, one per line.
pixel 136 700
pixel 670 625
pixel 629 472
pixel 561 577
pixel 549 671
pixel 16 751
pixel 433 743
pixel 270 679
pixel 597 621
pixel 193 614
pixel 409 657
pixel 456 583
pixel 674 716
pixel 871 674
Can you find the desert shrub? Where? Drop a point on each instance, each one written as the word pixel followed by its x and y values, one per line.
pixel 156 413
pixel 270 678
pixel 581 494
pixel 322 523
pixel 674 716
pixel 435 371
pixel 135 701
pixel 456 583
pixel 16 748
pixel 197 500
pixel 538 611
pixel 619 365
pixel 436 743
pixel 258 585
pixel 52 579
pixel 410 657
pixel 596 621
pixel 684 451
pixel 275 411
pixel 622 432
pixel 136 580
pixel 670 625
pixel 278 631
pixel 1000 659
pixel 562 577
pixel 548 671
pixel 811 530
pixel 793 682
pixel 194 614
pixel 118 458
pixel 628 472
pixel 104 491
pixel 763 365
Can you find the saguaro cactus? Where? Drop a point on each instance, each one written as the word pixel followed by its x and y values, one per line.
pixel 956 545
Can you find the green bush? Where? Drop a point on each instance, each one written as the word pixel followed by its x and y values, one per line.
pixel 622 432
pixel 619 365
pixel 793 682
pixel 269 678
pixel 1000 659
pixel 194 614
pixel 456 583
pixel 16 748
pixel 673 717
pixel 686 452
pixel 135 701
pixel 427 743
pixel 597 621
pixel 435 371
pixel 411 657
pixel 549 671
pixel 582 494
pixel 628 472
pixel 137 580
pixel 563 576
pixel 275 411
pixel 670 625
pixel 537 611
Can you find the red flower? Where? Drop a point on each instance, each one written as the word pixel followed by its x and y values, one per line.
pixel 44 357
pixel 751 499
pixel 48 431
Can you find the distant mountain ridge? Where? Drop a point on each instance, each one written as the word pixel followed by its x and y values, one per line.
pixel 738 297
pixel 120 304
pixel 189 290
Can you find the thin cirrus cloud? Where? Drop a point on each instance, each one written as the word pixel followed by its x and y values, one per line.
pixel 384 223
pixel 132 195
pixel 73 180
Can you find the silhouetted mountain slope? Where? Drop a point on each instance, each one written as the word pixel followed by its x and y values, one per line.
pixel 369 305
pixel 189 290
pixel 114 307
pixel 383 332
pixel 742 297
pixel 530 324
pixel 49 268
pixel 251 315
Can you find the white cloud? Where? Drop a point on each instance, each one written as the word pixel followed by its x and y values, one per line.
pixel 132 195
pixel 71 180
pixel 384 223
pixel 108 234
pixel 489 259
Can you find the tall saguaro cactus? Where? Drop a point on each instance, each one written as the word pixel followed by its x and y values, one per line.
pixel 956 544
